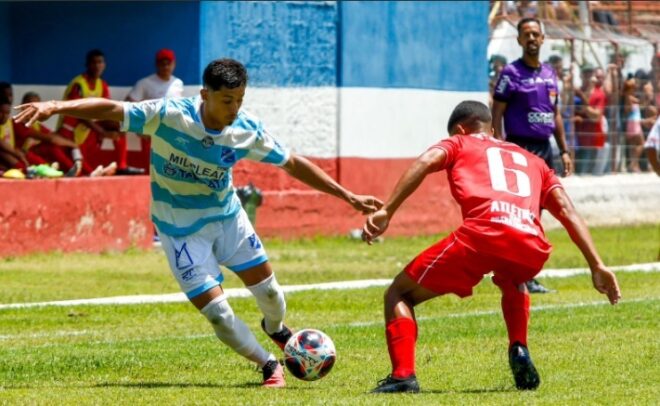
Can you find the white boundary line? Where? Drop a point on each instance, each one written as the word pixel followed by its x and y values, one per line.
pixel 361 324
pixel 242 292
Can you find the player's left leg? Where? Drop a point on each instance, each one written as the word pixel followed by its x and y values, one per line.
pixel 515 308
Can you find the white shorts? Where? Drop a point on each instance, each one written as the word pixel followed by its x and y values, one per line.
pixel 195 258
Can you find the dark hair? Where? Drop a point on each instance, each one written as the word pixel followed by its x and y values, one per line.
pixel 4 99
pixel 29 95
pixel 468 112
pixel 93 54
pixel 553 59
pixel 225 72
pixel 527 20
pixel 5 85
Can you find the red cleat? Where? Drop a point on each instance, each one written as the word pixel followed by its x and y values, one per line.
pixel 273 375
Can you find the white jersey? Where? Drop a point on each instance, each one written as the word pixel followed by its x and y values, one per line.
pixel 653 141
pixel 153 87
pixel 190 168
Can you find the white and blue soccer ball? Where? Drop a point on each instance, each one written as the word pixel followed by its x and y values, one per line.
pixel 309 354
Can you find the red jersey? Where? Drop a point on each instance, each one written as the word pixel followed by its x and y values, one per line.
pixel 590 132
pixel 501 189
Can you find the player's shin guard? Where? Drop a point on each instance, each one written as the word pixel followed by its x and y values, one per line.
pixel 515 308
pixel 232 331
pixel 401 339
pixel 270 299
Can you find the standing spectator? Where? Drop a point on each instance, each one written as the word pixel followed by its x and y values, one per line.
pixel 590 121
pixel 161 84
pixel 496 64
pixel 525 98
pixel 634 134
pixel 652 147
pixel 89 134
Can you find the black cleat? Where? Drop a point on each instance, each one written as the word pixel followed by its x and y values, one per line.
pixel 394 385
pixel 281 337
pixel 533 286
pixel 522 368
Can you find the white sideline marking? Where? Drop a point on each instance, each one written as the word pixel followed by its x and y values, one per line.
pixel 334 325
pixel 242 292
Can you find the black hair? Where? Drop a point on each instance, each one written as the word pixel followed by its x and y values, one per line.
pixel 29 95
pixel 227 73
pixel 527 20
pixel 5 85
pixel 553 59
pixel 93 54
pixel 4 99
pixel 468 112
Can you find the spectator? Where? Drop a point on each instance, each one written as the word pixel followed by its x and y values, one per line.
pixel 652 147
pixel 649 117
pixel 525 99
pixel 10 156
pixel 7 91
pixel 590 121
pixel 161 84
pixel 89 134
pixel 634 134
pixel 43 146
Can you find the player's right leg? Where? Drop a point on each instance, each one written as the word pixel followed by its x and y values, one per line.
pixel 197 272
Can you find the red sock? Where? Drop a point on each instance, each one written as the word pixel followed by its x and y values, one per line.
pixel 515 307
pixel 401 337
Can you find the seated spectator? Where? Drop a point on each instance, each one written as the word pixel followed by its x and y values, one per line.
pixel 42 146
pixel 161 84
pixel 7 91
pixel 10 156
pixel 634 134
pixel 88 134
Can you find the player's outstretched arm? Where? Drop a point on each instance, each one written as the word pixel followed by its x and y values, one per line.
pixel 311 175
pixel 91 108
pixel 559 205
pixel 430 161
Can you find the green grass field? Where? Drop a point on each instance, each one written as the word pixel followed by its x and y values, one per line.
pixel 587 351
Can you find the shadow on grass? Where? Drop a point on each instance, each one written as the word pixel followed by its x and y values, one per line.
pixel 158 385
pixel 470 391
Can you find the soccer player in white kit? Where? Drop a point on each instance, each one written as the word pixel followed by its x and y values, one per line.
pixel 195 143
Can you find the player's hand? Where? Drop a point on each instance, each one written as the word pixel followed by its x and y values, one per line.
pixel 605 282
pixel 365 204
pixel 375 225
pixel 568 164
pixel 30 113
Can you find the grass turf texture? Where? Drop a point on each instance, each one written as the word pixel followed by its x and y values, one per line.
pixel 166 354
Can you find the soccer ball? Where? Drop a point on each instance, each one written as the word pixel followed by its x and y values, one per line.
pixel 309 354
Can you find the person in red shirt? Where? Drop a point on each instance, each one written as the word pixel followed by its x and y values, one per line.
pixel 590 120
pixel 42 146
pixel 89 134
pixel 501 189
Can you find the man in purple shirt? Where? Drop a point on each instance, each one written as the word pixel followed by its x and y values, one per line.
pixel 526 96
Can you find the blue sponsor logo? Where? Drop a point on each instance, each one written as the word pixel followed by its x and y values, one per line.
pixel 254 241
pixel 183 258
pixel 188 275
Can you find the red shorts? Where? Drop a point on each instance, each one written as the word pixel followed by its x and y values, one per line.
pixel 451 266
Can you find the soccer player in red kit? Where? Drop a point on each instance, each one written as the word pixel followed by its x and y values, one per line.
pixel 501 189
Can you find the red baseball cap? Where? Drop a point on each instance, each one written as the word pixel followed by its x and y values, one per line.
pixel 165 54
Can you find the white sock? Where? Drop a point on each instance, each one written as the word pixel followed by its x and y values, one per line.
pixel 270 299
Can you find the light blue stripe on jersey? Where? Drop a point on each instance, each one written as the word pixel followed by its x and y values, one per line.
pixel 191 165
pixel 160 194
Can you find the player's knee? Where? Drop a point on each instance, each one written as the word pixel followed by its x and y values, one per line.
pixel 269 295
pixel 220 314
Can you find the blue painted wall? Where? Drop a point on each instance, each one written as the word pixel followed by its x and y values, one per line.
pixel 50 44
pixel 281 43
pixel 428 45
pixel 5 52
pixel 412 44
